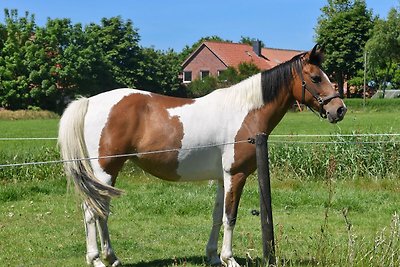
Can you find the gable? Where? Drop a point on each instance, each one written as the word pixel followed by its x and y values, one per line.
pixel 232 54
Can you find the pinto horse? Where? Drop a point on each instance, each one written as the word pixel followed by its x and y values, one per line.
pixel 180 139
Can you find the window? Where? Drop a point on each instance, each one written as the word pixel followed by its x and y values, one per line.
pixel 204 73
pixel 220 72
pixel 187 76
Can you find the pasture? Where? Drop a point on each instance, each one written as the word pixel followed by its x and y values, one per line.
pixel 332 217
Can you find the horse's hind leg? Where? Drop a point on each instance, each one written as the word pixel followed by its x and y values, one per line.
pixel 92 255
pixel 92 252
pixel 212 245
pixel 106 250
pixel 107 253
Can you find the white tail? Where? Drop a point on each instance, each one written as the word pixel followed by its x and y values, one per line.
pixel 72 144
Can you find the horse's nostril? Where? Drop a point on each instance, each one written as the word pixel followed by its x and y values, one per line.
pixel 341 111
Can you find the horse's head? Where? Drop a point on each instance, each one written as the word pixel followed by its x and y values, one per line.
pixel 316 91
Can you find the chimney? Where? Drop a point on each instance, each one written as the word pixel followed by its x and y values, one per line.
pixel 257 47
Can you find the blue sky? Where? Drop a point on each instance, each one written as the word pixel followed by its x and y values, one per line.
pixel 175 23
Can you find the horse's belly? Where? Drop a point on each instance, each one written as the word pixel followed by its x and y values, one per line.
pixel 200 164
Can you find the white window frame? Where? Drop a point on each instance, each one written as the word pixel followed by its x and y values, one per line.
pixel 201 74
pixel 219 72
pixel 191 76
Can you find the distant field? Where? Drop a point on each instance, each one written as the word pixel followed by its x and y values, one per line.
pixel 329 220
pixel 354 122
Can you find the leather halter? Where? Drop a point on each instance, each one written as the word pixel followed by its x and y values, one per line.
pixel 321 100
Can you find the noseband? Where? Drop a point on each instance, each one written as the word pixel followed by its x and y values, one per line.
pixel 321 100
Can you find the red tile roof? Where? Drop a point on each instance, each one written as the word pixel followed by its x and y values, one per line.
pixel 232 54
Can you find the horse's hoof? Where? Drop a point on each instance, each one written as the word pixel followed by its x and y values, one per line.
pixel 229 262
pixel 110 259
pixel 97 263
pixel 214 261
pixel 116 263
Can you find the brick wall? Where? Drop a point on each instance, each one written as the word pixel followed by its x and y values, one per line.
pixel 204 60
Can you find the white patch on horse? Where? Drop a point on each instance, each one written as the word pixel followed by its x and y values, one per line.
pixel 246 95
pixel 96 118
pixel 214 119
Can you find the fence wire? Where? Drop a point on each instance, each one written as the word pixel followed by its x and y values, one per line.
pixel 270 136
pixel 282 141
pixel 122 155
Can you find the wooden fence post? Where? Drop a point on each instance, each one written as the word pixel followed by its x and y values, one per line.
pixel 267 227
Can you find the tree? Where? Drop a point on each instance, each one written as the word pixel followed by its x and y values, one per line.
pixel 249 41
pixel 342 30
pixel 158 72
pixel 59 63
pixel 383 50
pixel 14 77
pixel 117 45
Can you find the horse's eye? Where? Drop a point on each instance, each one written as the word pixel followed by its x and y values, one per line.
pixel 316 79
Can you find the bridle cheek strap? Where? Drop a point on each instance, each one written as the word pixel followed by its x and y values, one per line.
pixel 321 100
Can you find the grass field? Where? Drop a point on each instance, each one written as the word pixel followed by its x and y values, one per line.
pixel 334 221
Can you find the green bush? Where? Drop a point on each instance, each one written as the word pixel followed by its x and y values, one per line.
pixel 228 77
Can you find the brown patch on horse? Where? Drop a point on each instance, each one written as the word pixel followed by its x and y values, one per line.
pixel 141 123
pixel 232 198
pixel 261 120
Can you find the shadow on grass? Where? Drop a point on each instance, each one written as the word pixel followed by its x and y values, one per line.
pixel 192 260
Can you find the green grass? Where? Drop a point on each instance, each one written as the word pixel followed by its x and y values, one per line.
pixel 29 128
pixel 158 223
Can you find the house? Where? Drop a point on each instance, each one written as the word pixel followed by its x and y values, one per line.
pixel 212 58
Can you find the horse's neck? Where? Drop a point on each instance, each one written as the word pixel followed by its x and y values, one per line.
pixel 268 116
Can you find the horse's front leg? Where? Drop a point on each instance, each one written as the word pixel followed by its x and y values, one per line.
pixel 233 186
pixel 212 245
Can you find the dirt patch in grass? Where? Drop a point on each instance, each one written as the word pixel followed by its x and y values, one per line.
pixel 26 114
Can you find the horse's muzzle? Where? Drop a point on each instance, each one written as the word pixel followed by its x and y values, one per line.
pixel 336 114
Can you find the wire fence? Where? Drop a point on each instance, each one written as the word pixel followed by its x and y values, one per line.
pixel 123 155
pixel 334 139
pixel 270 136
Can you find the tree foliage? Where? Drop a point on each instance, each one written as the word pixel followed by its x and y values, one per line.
pixel 343 29
pixel 159 72
pixel 249 40
pixel 17 36
pixel 383 50
pixel 228 77
pixel 45 66
pixel 117 43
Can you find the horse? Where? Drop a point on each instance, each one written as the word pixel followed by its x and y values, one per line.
pixel 182 139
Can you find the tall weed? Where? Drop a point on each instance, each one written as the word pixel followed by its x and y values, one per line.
pixel 355 157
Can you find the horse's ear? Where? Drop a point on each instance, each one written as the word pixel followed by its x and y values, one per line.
pixel 316 55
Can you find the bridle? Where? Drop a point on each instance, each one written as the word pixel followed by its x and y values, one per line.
pixel 321 100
